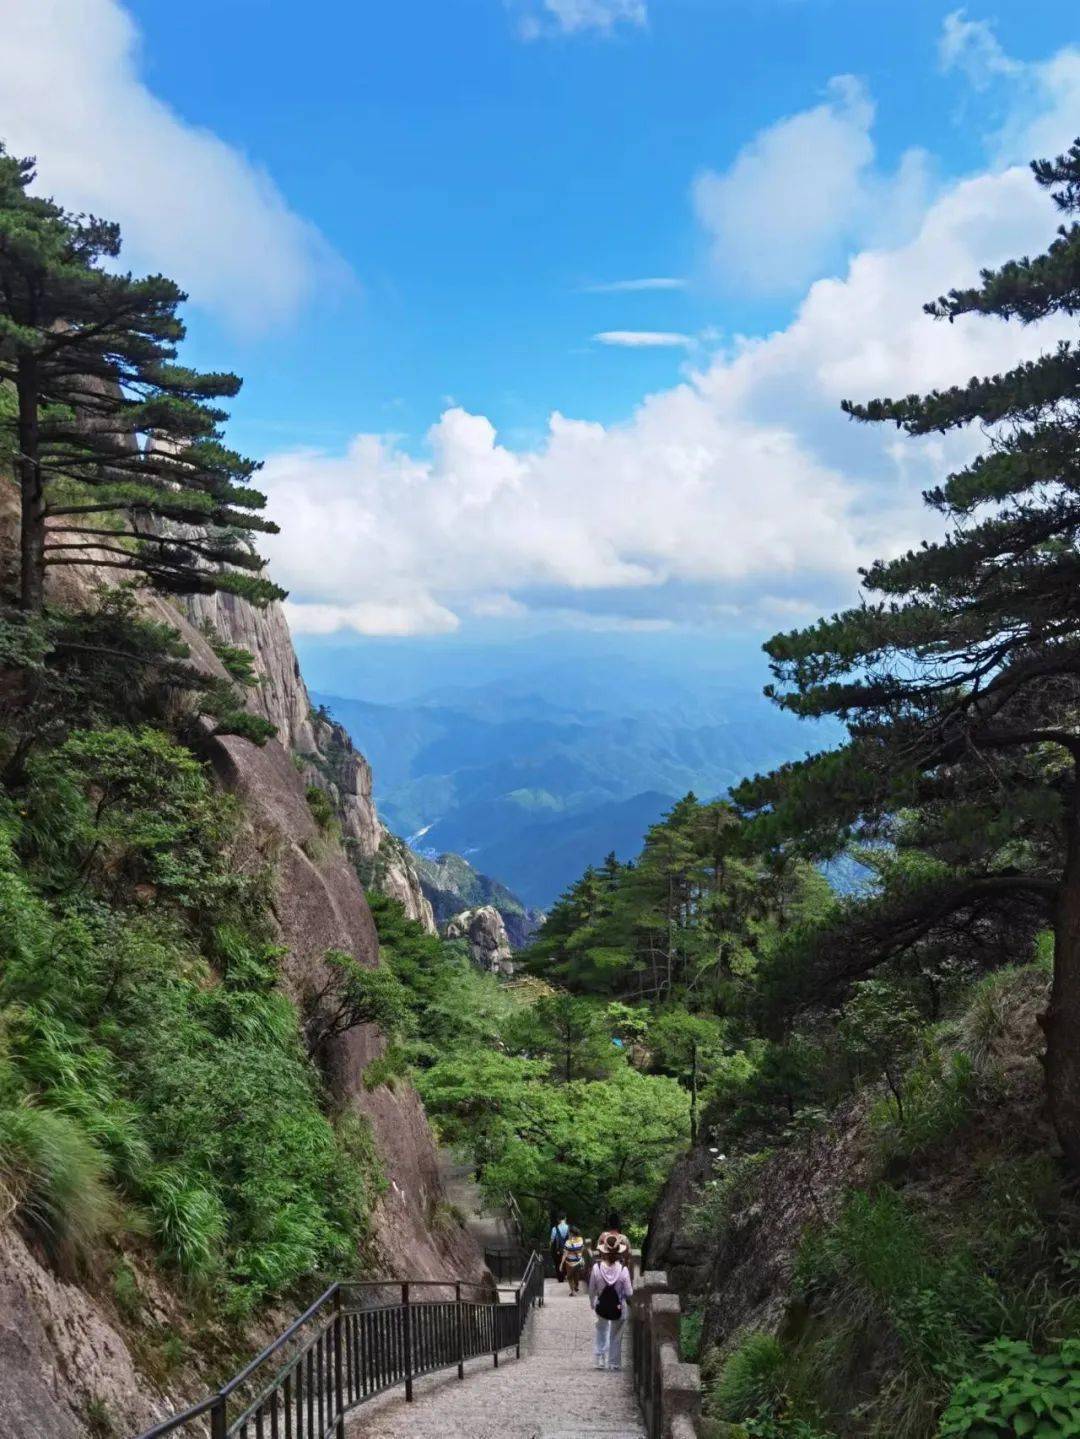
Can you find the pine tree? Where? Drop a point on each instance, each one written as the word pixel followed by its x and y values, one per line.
pixel 90 355
pixel 969 662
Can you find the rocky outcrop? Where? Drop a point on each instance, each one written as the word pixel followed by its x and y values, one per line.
pixel 384 862
pixel 62 1357
pixel 395 874
pixel 484 932
pixel 451 884
pixel 281 695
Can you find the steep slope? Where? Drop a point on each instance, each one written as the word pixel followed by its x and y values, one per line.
pixel 72 1360
pixel 330 759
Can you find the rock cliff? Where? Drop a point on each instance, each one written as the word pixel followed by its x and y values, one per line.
pixel 323 749
pixel 484 932
pixel 64 1343
pixel 451 884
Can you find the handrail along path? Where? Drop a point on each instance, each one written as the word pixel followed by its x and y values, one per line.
pixel 360 1345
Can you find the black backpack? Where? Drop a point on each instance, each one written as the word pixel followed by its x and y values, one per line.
pixel 609 1305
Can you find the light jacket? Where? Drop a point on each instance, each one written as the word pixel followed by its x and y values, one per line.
pixel 603 1274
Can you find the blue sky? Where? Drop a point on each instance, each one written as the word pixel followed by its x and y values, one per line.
pixel 411 228
pixel 475 183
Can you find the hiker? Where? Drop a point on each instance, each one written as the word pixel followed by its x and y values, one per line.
pixel 560 1232
pixel 610 1289
pixel 574 1254
pixel 613 1234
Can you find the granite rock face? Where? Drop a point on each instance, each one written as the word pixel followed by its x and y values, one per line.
pixel 324 751
pixel 65 1356
pixel 484 932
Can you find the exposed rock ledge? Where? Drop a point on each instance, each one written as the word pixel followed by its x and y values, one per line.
pixel 484 932
pixel 324 749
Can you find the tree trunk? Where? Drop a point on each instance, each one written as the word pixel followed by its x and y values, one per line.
pixel 32 493
pixel 1061 1022
pixel 693 1098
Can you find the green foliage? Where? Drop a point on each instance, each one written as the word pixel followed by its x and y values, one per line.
pixel 572 1034
pixel 54 1179
pixel 881 1261
pixel 238 662
pixel 66 313
pixel 879 1028
pixel 321 806
pixel 451 1002
pixel 938 1098
pixel 148 1060
pixel 585 1146
pixel 690 1327
pixel 695 913
pixel 1014 1391
pixel 351 995
pixel 753 1379
pixel 723 1196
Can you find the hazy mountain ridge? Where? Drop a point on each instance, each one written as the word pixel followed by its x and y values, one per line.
pixel 530 791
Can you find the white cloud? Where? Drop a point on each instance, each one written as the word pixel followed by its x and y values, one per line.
pixel 643 339
pixel 1039 100
pixel 621 287
pixel 801 190
pixel 188 203
pixel 422 617
pixel 972 47
pixel 740 496
pixel 573 17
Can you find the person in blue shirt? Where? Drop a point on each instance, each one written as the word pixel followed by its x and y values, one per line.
pixel 560 1232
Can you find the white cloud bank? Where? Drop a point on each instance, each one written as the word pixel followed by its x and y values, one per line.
pixel 188 204
pixel 801 190
pixel 740 491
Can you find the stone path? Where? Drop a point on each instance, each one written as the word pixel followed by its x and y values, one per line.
pixel 551 1392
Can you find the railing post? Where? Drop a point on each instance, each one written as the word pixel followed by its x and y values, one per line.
pixel 339 1387
pixel 494 1310
pixel 407 1313
pixel 218 1420
pixel 460 1313
pixel 520 1322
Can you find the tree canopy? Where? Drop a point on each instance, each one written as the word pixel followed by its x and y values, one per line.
pixel 118 449
pixel 959 676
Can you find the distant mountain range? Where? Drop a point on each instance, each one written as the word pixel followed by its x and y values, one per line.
pixel 531 790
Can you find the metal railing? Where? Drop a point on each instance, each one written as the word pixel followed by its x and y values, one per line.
pixel 351 1345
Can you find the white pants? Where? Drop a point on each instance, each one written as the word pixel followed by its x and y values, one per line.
pixel 607 1346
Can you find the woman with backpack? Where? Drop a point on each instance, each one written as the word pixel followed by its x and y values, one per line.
pixel 610 1289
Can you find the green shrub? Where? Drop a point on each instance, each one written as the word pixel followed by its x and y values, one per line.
pixel 189 1222
pixel 1013 1391
pixel 938 1098
pixel 151 1042
pixel 752 1381
pixel 321 806
pixel 723 1196
pixel 245 725
pixel 690 1325
pixel 56 1180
